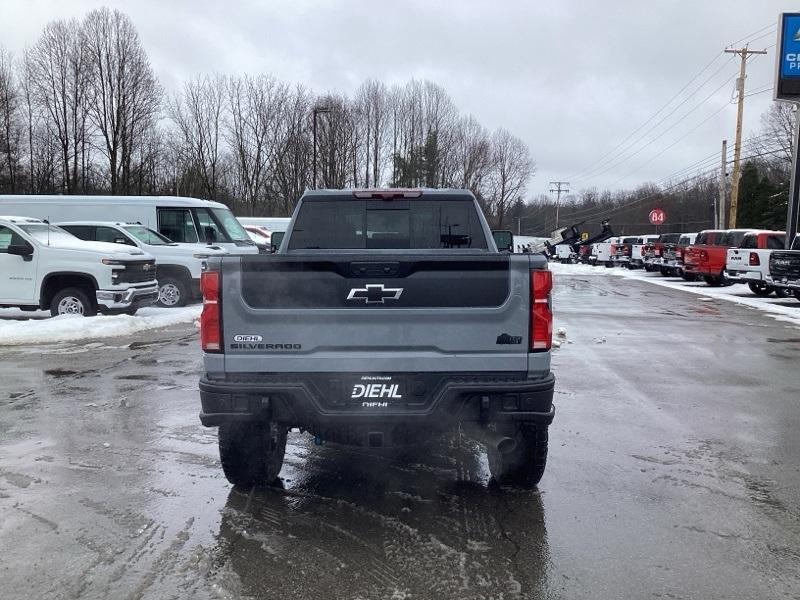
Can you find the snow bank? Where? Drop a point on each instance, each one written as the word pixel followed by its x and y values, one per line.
pixel 17 327
pixel 781 309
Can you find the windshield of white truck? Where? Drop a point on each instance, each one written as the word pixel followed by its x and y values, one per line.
pixel 148 236
pixel 363 224
pixel 230 224
pixel 47 234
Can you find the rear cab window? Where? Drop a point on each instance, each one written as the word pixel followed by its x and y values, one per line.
pixel 731 239
pixel 776 242
pixel 353 224
pixel 749 242
pixel 669 238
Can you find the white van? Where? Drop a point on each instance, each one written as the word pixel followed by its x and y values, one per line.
pixel 182 220
pixel 178 266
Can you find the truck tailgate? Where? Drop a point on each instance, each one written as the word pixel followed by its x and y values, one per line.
pixel 396 312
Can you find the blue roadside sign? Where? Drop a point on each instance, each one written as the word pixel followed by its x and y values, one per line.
pixel 790 52
pixel 787 86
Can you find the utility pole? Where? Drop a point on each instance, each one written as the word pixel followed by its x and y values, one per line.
pixel 793 213
pixel 723 167
pixel 519 225
pixel 743 53
pixel 558 187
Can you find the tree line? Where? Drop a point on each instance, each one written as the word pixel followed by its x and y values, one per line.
pixel 82 112
pixel 688 198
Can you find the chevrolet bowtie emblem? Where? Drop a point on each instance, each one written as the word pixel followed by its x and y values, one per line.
pixel 375 294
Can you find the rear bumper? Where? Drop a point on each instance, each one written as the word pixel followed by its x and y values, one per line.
pixel 296 401
pixel 743 276
pixel 699 269
pixel 784 282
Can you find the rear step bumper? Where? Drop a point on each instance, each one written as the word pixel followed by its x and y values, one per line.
pixel 293 400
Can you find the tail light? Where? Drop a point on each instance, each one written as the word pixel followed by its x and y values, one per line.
pixel 754 260
pixel 679 253
pixel 210 339
pixel 642 250
pixel 541 325
pixel 613 248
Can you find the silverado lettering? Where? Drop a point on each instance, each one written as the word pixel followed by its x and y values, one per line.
pixel 265 346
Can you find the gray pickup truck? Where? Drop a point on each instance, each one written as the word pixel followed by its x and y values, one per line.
pixel 385 318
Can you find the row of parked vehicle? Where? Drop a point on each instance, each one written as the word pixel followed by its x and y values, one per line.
pixel 110 254
pixel 718 257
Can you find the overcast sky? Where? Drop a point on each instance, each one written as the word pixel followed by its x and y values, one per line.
pixel 572 78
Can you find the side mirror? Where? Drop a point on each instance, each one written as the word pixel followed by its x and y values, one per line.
pixel 120 240
pixel 504 240
pixel 276 238
pixel 210 234
pixel 25 250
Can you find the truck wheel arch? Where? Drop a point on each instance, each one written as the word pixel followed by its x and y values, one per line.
pixel 174 271
pixel 54 282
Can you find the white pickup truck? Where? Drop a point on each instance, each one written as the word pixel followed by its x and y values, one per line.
pixel 749 263
pixel 44 267
pixel 602 252
pixel 178 266
pixel 638 251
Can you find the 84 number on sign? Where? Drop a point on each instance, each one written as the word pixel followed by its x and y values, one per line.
pixel 657 216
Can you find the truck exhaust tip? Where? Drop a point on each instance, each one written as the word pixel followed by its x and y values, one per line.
pixel 483 435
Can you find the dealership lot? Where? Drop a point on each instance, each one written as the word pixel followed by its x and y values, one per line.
pixel 673 471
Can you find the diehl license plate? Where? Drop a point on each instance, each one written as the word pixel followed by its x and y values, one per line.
pixel 376 391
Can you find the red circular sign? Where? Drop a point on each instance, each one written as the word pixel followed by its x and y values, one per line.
pixel 657 216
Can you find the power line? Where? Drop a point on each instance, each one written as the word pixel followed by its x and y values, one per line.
pixel 655 139
pixel 653 116
pixel 750 35
pixel 692 130
pixel 597 171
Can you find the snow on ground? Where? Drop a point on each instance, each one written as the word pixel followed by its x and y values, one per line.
pixel 17 327
pixel 781 309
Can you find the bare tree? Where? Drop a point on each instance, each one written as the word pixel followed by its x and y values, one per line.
pixel 256 107
pixel 198 111
pixel 472 156
pixel 777 131
pixel 292 167
pixel 512 168
pixel 57 64
pixel 125 94
pixel 11 128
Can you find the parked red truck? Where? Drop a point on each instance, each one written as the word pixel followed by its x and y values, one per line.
pixel 707 257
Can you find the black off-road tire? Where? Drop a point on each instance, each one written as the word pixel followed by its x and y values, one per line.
pixel 712 280
pixel 759 288
pixel 782 292
pixel 251 453
pixel 77 298
pixel 525 465
pixel 689 276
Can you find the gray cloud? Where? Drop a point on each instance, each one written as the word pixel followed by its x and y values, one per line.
pixel 572 78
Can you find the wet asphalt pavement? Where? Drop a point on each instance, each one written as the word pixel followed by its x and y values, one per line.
pixel 674 472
